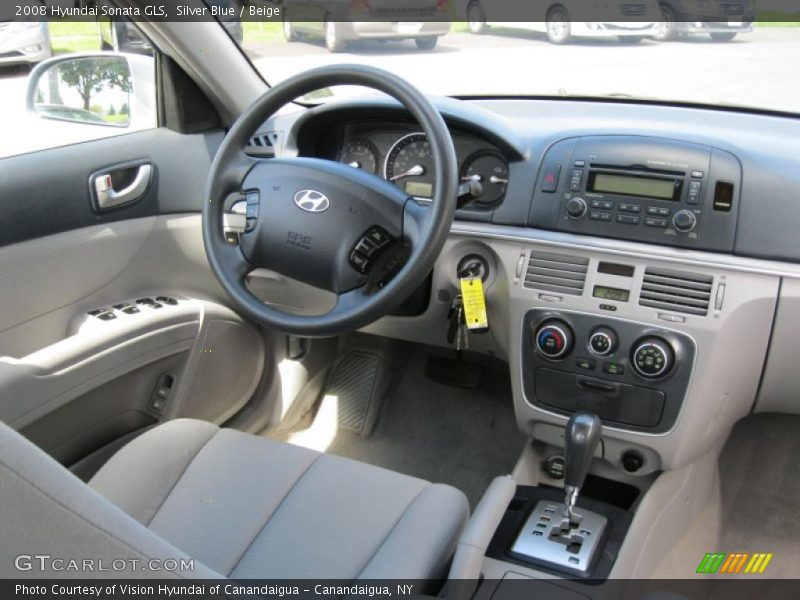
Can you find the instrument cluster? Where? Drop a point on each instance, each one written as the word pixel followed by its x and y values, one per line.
pixel 404 157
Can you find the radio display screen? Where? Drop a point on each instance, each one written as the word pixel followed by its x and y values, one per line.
pixel 627 185
pixel 610 293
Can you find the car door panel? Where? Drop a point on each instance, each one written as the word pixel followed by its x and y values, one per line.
pixel 47 192
pixel 76 384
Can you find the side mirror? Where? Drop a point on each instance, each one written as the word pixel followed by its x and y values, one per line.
pixel 104 89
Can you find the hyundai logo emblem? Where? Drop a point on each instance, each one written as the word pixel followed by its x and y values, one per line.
pixel 312 201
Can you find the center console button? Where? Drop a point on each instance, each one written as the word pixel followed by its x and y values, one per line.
pixel 628 219
pixel 613 368
pixel 652 357
pixel 602 341
pixel 554 339
pixel 586 363
pixel 632 208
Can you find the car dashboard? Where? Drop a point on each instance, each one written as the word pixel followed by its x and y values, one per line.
pixel 638 260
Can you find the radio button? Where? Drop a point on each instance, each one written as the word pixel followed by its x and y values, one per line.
pixel 600 216
pixel 658 210
pixel 576 208
pixel 694 192
pixel 632 208
pixel 697 174
pixel 575 180
pixel 580 163
pixel 654 222
pixel 603 204
pixel 684 221
pixel 628 219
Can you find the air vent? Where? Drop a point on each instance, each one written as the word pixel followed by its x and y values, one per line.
pixel 680 292
pixel 560 273
pixel 264 144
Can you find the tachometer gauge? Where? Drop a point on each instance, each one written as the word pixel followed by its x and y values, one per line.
pixel 491 170
pixel 361 154
pixel 409 165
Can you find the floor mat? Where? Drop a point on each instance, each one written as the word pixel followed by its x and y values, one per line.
pixel 443 434
pixel 761 490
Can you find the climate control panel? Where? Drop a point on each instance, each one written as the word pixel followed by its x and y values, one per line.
pixel 631 374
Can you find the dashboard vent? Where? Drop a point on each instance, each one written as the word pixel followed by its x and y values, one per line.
pixel 560 273
pixel 264 144
pixel 680 292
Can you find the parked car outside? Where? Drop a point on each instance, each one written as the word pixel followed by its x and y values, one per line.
pixel 24 43
pixel 560 20
pixel 723 20
pixel 322 20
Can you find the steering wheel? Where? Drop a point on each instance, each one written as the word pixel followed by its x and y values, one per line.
pixel 326 224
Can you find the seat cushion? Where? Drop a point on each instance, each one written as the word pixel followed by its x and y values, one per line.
pixel 251 507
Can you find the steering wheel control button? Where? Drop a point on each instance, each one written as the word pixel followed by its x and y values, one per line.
pixel 554 339
pixel 369 247
pixel 602 341
pixel 359 262
pixel 252 198
pixel 379 237
pixel 652 358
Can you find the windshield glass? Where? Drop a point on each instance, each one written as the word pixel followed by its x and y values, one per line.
pixel 729 58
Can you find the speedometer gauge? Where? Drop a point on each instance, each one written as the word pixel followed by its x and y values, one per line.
pixel 360 154
pixel 491 171
pixel 409 165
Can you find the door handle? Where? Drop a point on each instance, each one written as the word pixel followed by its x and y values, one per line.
pixel 107 197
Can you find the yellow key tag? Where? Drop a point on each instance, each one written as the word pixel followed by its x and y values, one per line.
pixel 474 303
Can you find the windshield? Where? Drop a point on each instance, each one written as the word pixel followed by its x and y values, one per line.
pixel 733 60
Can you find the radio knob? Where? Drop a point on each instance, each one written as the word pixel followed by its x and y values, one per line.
pixel 603 341
pixel 554 339
pixel 576 208
pixel 652 357
pixel 684 220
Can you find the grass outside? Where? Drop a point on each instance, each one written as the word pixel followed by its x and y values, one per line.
pixel 73 36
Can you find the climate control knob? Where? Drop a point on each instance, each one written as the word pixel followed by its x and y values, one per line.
pixel 684 221
pixel 652 357
pixel 554 339
pixel 602 341
pixel 576 208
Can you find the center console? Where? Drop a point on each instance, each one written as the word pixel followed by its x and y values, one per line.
pixel 631 375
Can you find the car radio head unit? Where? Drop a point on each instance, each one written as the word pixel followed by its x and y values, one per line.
pixel 640 189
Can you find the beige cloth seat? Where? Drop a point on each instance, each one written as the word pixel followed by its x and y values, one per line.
pixel 241 506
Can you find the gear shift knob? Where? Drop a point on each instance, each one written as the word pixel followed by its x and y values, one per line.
pixel 581 439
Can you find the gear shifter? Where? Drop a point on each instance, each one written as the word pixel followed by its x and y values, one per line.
pixel 581 439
